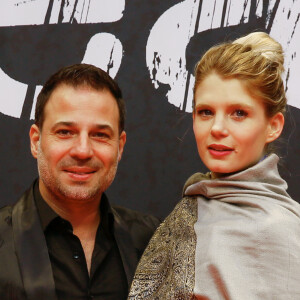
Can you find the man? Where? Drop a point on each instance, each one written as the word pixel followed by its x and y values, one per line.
pixel 62 239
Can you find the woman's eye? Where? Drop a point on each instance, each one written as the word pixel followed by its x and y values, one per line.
pixel 204 112
pixel 239 113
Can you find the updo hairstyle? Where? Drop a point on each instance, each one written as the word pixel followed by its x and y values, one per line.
pixel 257 59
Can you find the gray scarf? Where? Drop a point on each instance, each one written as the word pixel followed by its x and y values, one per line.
pixel 237 237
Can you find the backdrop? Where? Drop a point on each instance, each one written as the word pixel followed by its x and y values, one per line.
pixel 150 48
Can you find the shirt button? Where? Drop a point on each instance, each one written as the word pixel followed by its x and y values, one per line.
pixel 76 255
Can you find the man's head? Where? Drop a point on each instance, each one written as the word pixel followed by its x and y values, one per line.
pixel 77 138
pixel 75 76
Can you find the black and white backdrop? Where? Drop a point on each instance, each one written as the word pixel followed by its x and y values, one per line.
pixel 150 47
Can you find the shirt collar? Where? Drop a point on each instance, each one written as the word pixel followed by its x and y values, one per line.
pixel 46 213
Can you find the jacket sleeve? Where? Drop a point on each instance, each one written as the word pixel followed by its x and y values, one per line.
pixel 11 285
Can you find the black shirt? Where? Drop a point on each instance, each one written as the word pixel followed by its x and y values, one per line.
pixel 107 279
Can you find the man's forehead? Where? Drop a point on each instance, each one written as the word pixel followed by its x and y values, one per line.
pixel 63 92
pixel 81 86
pixel 63 101
pixel 67 107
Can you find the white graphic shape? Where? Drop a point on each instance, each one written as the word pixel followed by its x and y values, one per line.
pixel 211 15
pixel 165 52
pixel 170 35
pixel 286 30
pixel 18 12
pixel 105 51
pixel 236 12
pixel 12 99
pixel 105 10
pixel 33 12
pixel 37 91
pixel 92 11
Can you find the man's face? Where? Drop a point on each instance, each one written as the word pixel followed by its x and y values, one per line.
pixel 79 145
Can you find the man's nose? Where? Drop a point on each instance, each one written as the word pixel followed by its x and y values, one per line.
pixel 82 147
pixel 219 127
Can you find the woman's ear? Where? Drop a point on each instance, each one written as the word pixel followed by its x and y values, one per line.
pixel 275 127
pixel 34 135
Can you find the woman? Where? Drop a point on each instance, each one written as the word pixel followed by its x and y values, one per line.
pixel 236 232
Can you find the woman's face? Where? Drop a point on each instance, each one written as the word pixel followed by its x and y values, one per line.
pixel 230 126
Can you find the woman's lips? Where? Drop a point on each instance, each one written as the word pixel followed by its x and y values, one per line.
pixel 219 150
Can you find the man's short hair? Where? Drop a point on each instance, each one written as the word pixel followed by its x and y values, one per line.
pixel 80 75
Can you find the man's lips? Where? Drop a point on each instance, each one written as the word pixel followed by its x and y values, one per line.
pixel 219 150
pixel 80 173
pixel 82 170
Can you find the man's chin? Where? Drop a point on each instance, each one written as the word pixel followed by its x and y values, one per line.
pixel 85 190
pixel 80 192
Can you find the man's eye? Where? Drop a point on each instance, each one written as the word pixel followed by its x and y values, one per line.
pixel 101 135
pixel 64 132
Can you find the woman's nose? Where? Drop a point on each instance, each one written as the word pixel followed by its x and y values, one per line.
pixel 219 127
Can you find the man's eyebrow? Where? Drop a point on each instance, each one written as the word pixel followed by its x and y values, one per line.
pixel 74 124
pixel 64 123
pixel 103 126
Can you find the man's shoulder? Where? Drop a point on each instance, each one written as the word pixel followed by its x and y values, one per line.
pixel 6 235
pixel 140 226
pixel 5 216
pixel 27 194
pixel 133 216
pixel 6 211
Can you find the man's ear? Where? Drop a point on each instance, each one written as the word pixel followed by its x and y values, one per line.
pixel 275 127
pixel 34 135
pixel 122 141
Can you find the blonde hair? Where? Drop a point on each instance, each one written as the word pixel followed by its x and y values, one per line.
pixel 257 59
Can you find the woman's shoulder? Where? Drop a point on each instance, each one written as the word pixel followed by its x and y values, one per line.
pixel 197 177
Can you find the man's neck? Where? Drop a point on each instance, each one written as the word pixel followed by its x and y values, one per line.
pixel 79 212
pixel 84 217
pixel 80 215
